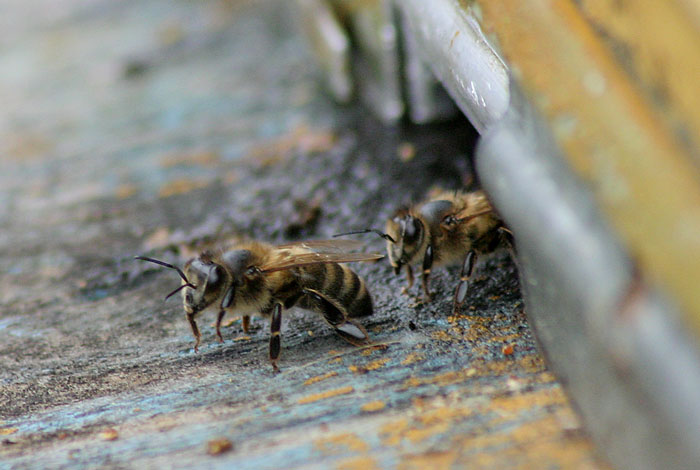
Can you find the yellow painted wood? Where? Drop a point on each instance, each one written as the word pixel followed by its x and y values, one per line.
pixel 658 43
pixel 644 180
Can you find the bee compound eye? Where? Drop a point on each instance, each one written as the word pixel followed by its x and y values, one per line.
pixel 411 230
pixel 216 276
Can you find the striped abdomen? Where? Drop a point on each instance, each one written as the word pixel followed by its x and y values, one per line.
pixel 340 285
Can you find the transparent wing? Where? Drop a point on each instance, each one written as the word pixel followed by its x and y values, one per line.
pixel 305 253
pixel 325 246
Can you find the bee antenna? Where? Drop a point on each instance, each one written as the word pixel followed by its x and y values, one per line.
pixel 179 289
pixel 385 236
pixel 168 265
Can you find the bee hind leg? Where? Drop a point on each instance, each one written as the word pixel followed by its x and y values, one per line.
pixel 353 333
pixel 275 340
pixel 350 331
pixel 409 279
pixel 246 324
pixel 463 284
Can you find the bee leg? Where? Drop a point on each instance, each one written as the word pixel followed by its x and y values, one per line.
pixel 462 286
pixel 353 333
pixel 219 317
pixel 409 279
pixel 507 236
pixel 225 303
pixel 275 340
pixel 347 329
pixel 427 265
pixel 246 324
pixel 195 331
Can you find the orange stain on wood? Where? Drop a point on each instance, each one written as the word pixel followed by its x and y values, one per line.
pixel 370 350
pixel 373 406
pixel 428 461
pixel 374 365
pixel 480 368
pixel 441 336
pixel 109 435
pixel 319 378
pixel 447 378
pixel 547 377
pixel 513 404
pixel 412 358
pixel 219 446
pixel 505 338
pixel 443 414
pixel 428 419
pixel 417 435
pixel 358 463
pixel 327 394
pixel 379 363
pixel 339 443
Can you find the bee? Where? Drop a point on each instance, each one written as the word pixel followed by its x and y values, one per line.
pixel 452 228
pixel 258 278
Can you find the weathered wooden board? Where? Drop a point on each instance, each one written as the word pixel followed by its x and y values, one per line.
pixel 161 127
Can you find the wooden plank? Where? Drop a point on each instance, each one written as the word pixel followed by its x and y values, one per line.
pixel 159 127
pixel 645 181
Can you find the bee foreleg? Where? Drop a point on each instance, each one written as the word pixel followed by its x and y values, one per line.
pixel 427 265
pixel 275 340
pixel 220 317
pixel 409 278
pixel 507 237
pixel 246 324
pixel 225 303
pixel 463 285
pixel 195 331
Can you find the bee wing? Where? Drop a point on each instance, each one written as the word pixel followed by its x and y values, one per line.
pixel 289 260
pixel 325 246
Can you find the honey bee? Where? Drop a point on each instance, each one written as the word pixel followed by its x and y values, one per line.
pixel 260 278
pixel 452 228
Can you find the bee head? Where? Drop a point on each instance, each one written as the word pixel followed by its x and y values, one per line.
pixel 405 238
pixel 408 234
pixel 204 285
pixel 202 282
